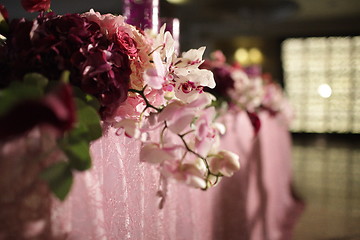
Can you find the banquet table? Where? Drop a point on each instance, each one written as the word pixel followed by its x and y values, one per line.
pixel 123 198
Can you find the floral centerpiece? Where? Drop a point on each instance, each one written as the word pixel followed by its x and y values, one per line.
pixel 66 78
pixel 244 89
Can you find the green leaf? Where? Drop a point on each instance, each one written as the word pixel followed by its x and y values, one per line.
pixel 89 118
pixel 4 27
pixel 87 98
pixel 77 134
pixel 36 80
pixel 78 154
pixel 59 177
pixel 78 93
pixel 93 102
pixel 65 76
pixel 76 143
pixel 32 87
pixel 17 92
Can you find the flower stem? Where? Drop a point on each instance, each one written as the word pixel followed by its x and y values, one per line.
pixel 142 94
pixel 162 133
pixel 155 50
pixel 184 134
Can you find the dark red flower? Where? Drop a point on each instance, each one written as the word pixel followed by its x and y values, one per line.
pixel 57 109
pixel 36 5
pixel 255 121
pixel 17 47
pixel 105 74
pixel 52 44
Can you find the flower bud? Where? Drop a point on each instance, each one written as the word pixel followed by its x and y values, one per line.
pixel 224 162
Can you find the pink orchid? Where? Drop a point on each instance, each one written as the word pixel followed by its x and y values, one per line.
pixel 131 108
pixel 190 83
pixel 155 97
pixel 192 174
pixel 130 126
pixel 179 115
pixel 155 77
pixel 165 44
pixel 224 162
pixel 191 59
pixel 153 153
pixel 206 132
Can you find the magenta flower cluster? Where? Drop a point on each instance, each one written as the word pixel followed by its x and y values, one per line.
pixel 53 43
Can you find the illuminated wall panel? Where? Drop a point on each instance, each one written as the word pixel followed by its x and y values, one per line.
pixel 322 80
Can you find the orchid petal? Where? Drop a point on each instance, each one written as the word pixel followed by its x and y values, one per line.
pixel 130 126
pixel 224 162
pixel 178 125
pixel 152 153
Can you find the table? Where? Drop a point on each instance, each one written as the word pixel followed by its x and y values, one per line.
pixel 118 198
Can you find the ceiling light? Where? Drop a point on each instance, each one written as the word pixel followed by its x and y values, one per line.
pixel 324 91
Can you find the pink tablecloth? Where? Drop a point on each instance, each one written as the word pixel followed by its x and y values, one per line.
pixel 256 203
pixel 117 198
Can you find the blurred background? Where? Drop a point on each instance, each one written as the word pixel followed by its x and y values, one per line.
pixel 312 48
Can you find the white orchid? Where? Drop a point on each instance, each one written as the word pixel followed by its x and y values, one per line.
pixel 224 162
pixel 247 93
pixel 173 101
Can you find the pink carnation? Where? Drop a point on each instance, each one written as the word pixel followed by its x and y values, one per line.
pixel 109 23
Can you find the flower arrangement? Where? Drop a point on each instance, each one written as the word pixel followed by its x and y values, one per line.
pixel 70 76
pixel 244 89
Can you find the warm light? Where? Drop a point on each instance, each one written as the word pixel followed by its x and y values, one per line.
pixel 324 90
pixel 242 56
pixel 321 79
pixel 255 56
pixel 177 1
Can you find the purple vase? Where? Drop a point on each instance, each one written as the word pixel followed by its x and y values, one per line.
pixel 143 14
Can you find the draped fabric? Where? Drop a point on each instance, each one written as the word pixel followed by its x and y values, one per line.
pixel 122 198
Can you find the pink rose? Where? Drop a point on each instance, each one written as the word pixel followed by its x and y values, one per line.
pixel 127 44
pixel 36 5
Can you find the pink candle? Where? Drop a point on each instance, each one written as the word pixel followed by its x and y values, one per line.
pixel 143 14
